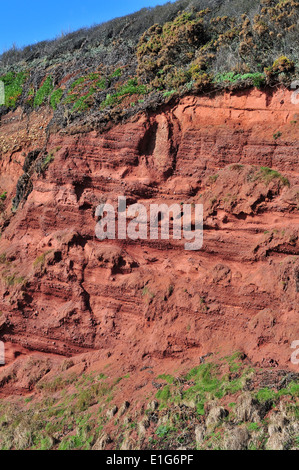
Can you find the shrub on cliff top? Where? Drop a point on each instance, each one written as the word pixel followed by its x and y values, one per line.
pixel 173 43
pixel 281 65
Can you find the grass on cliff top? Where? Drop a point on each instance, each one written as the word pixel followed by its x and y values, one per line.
pixel 81 92
pixel 56 98
pixel 43 92
pixel 257 79
pixel 128 89
pixel 13 86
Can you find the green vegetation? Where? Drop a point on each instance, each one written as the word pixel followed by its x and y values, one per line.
pixel 117 73
pixel 72 411
pixel 128 89
pixel 40 260
pixel 35 425
pixel 164 395
pixel 47 161
pixel 81 92
pixel 168 378
pixel 77 82
pixel 267 394
pixel 84 102
pixel 268 175
pixel 257 79
pixel 162 431
pixel 43 92
pixel 197 50
pixel 168 94
pixel 207 384
pixel 12 280
pixel 3 198
pixel 131 88
pixel 253 427
pixel 13 85
pixel 56 98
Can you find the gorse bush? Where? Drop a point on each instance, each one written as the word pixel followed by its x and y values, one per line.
pixel 195 46
pixel 162 47
pixel 281 65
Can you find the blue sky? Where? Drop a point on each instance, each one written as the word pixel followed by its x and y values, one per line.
pixel 26 22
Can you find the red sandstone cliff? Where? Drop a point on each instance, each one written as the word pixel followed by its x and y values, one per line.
pixel 65 293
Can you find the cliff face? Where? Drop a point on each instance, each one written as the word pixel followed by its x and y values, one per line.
pixel 63 292
pixel 142 344
pixel 72 305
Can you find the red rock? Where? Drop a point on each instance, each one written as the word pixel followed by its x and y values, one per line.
pixel 74 295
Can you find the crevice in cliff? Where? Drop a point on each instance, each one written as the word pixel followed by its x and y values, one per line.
pixel 147 144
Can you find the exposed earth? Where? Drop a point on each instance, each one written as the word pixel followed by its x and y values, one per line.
pixel 123 344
